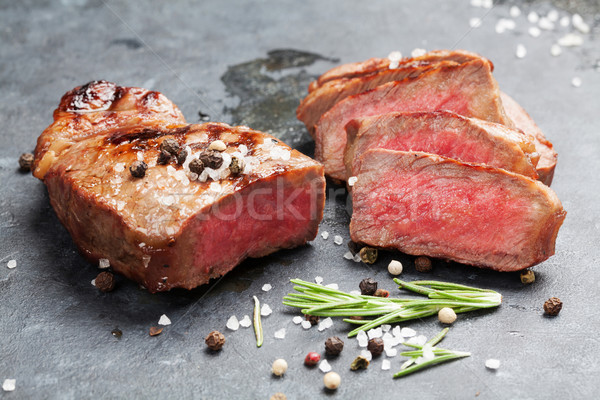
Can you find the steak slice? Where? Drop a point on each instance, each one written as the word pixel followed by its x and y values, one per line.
pixel 522 120
pixel 423 204
pixel 468 89
pixel 173 228
pixel 350 79
pixel 444 133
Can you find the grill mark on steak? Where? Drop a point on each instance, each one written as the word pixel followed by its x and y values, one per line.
pixel 145 134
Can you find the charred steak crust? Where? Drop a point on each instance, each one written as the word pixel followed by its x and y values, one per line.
pixel 424 204
pixel 170 228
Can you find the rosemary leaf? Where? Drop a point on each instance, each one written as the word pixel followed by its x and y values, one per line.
pixel 258 331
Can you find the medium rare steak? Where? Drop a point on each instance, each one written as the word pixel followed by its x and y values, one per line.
pixel 444 133
pixel 185 221
pixel 423 204
pixel 468 89
pixel 350 79
pixel 522 120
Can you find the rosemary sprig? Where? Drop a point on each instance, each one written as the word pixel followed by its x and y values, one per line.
pixel 315 299
pixel 258 331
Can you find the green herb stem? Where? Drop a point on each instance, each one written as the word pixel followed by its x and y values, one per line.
pixel 258 331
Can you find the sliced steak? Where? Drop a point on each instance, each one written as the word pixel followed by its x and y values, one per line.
pixel 423 204
pixel 350 79
pixel 444 133
pixel 468 89
pixel 522 120
pixel 173 227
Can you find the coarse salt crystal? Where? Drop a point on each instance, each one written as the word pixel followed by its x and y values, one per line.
pixel 487 4
pixel 420 340
pixel 119 167
pixel 386 327
pixel 533 17
pixel 576 82
pixel 104 263
pixel 385 365
pixel 407 332
pixel 546 24
pixel 11 264
pixel 534 31
pixel 265 310
pixel 580 24
pixel 245 322
pixel 215 187
pixel 375 333
pixel 279 334
pixel 418 52
pixel 355 292
pixel 338 240
pixel 428 352
pixel 504 24
pixel 266 287
pixel 93 282
pixel 318 280
pixel 120 205
pixel 243 149
pixel 391 352
pixel 352 180
pixel 348 255
pixel 492 363
pixel 233 323
pixel 515 11
pixel 565 21
pixel 306 324
pixel 325 324
pixel 555 50
pixel 9 385
pixel 168 200
pixel 366 354
pixel 395 56
pixel 332 286
pixel 571 40
pixel 419 360
pixel 357 258
pixel 171 170
pixel 324 366
pixel 325 235
pixel 140 156
pixel 521 51
pixel 552 15
pixel 475 22
pixel 362 338
pixel 297 320
pixel 396 331
pixel 164 320
pixel 476 3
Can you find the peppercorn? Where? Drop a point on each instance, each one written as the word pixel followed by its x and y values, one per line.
pixel 279 367
pixel 155 331
pixel 312 359
pixel 423 264
pixel 26 161
pixel 105 281
pixel 375 346
pixel 138 169
pixel 278 396
pixel 359 362
pixel 215 340
pixel 181 156
pixel 196 166
pixel 395 267
pixel 447 315
pixel 117 333
pixel 333 346
pixel 332 380
pixel 217 145
pixel 552 306
pixel 527 276
pixel 237 165
pixel 354 247
pixel 211 159
pixel 368 287
pixel 368 255
pixel 313 319
pixel 381 293
pixel 170 146
pixel 163 157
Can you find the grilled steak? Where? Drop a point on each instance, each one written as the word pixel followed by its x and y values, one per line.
pixel 467 89
pixel 522 120
pixel 424 204
pixel 185 221
pixel 350 79
pixel 443 133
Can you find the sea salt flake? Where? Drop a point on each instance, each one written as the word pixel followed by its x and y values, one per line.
pixel 533 17
pixel 552 15
pixel 279 334
pixel 266 287
pixel 332 286
pixel 245 322
pixel 521 51
pixel 556 50
pixel 396 331
pixel 325 324
pixel 119 167
pixel 504 24
pixel 103 263
pixel 338 240
pixel 357 258
pixel 475 22
pixel 325 235
pixel 515 11
pixel 407 332
pixel 374 333
pixel 487 4
pixel 9 385
pixel 391 352
pixel 492 363
pixel 571 40
pixel 362 339
pixel 476 3
pixel 348 255
pixel 164 320
pixel 395 56
pixel 265 310
pixel 324 366
pixel 233 323
pixel 306 324
pixel 576 82
pixel 418 52
pixel 297 320
pixel 93 282
pixel 11 264
pixel 546 24
pixel 420 340
pixel 385 365
pixel 366 354
pixel 580 24
pixel 355 292
pixel 534 31
pixel 564 21
pixel 168 200
pixel 352 180
pixel 386 327
pixel 318 280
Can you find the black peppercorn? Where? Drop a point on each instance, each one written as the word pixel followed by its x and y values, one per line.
pixel 105 281
pixel 423 264
pixel 170 146
pixel 375 346
pixel 211 159
pixel 26 161
pixel 236 166
pixel 163 157
pixel 313 319
pixel 138 169
pixel 215 340
pixel 334 346
pixel 359 362
pixel 368 255
pixel 182 156
pixel 552 306
pixel 368 287
pixel 196 166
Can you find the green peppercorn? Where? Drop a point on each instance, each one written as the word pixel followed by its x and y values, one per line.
pixel 359 362
pixel 236 166
pixel 368 255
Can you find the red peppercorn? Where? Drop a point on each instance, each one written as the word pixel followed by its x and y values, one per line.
pixel 312 359
pixel 381 293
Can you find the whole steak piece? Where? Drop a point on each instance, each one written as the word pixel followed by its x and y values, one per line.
pixel 468 89
pixel 211 195
pixel 444 133
pixel 423 204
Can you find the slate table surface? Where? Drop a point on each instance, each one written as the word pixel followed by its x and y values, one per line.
pixel 250 63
